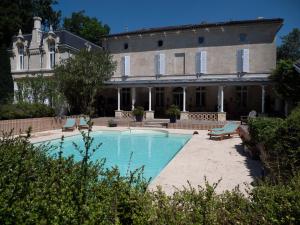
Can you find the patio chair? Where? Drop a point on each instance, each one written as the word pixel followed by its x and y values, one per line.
pixel 252 114
pixel 83 123
pixel 228 130
pixel 70 125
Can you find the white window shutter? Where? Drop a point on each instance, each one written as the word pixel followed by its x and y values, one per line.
pixel 239 60
pixel 198 62
pixel 127 65
pixel 203 62
pixel 162 64
pixel 246 60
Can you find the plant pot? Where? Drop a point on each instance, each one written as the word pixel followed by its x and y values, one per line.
pixel 139 118
pixel 173 119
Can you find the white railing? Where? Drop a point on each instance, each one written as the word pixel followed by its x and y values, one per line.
pixel 209 116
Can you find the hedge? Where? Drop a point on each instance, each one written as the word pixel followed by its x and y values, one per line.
pixel 25 110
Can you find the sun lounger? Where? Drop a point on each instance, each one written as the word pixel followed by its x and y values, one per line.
pixel 228 130
pixel 83 123
pixel 69 125
pixel 222 128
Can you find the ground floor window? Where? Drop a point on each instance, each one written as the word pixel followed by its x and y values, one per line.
pixel 200 97
pixel 242 96
pixel 159 97
pixel 125 98
pixel 178 97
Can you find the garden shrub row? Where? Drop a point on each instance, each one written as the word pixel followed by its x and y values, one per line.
pixel 281 141
pixel 25 110
pixel 38 189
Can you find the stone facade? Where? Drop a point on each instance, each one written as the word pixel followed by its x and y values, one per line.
pixel 235 61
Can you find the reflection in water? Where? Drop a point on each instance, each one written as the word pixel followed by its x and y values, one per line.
pixel 149 146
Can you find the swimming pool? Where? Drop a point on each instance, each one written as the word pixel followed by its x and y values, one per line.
pixel 149 148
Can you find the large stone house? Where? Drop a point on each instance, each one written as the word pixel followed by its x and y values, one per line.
pixel 38 53
pixel 208 69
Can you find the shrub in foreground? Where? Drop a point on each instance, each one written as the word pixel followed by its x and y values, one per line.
pixel 281 140
pixel 38 189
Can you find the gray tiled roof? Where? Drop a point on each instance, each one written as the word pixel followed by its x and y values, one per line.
pixel 200 25
pixel 66 38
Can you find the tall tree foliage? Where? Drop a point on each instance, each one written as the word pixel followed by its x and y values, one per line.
pixel 6 81
pixel 80 78
pixel 287 81
pixel 86 27
pixel 18 14
pixel 290 48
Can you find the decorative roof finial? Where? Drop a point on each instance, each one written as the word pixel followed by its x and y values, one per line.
pixel 20 35
pixel 51 30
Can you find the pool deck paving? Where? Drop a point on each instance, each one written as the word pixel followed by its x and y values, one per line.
pixel 200 158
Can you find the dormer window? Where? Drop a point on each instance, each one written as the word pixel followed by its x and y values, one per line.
pixel 51 55
pixel 243 37
pixel 160 43
pixel 21 57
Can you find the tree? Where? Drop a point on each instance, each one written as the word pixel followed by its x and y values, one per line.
pixel 6 81
pixel 80 78
pixel 16 14
pixel 287 81
pixel 86 27
pixel 290 48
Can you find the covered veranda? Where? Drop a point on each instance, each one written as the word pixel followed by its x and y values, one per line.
pixel 196 100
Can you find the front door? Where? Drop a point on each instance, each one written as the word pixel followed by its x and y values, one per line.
pixel 178 97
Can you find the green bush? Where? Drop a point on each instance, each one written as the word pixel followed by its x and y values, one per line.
pixel 25 110
pixel 281 141
pixel 38 189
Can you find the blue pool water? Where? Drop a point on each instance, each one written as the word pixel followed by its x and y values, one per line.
pixel 152 149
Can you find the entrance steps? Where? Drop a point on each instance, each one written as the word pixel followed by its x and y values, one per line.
pixel 156 123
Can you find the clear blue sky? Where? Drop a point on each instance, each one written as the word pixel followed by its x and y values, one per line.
pixel 137 14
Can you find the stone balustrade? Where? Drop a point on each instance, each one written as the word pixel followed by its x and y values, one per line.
pixel 207 116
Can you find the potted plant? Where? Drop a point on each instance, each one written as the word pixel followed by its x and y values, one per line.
pixel 138 112
pixel 173 112
pixel 112 123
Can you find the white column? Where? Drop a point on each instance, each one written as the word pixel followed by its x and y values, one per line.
pixel 150 98
pixel 184 99
pixel 221 98
pixel 262 99
pixel 132 98
pixel 119 99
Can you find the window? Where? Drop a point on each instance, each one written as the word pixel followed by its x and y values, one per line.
pixel 52 55
pixel 243 60
pixel 242 95
pixel 178 97
pixel 160 43
pixel 200 97
pixel 126 46
pixel 125 99
pixel 160 64
pixel 243 37
pixel 201 62
pixel 159 97
pixel 179 62
pixel 21 57
pixel 200 40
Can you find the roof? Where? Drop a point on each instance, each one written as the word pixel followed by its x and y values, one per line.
pixel 65 38
pixel 196 26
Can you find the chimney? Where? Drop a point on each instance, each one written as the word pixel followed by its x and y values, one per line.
pixel 37 23
pixel 36 32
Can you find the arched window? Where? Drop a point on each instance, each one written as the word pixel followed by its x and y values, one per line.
pixel 21 57
pixel 51 55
